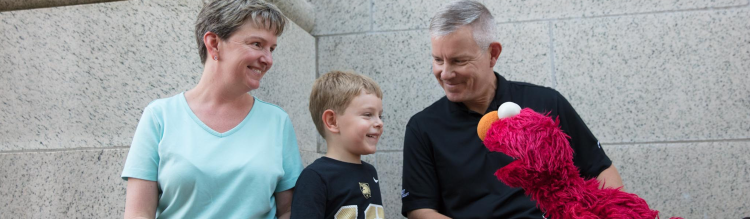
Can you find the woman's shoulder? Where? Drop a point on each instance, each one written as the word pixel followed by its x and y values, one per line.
pixel 269 109
pixel 166 104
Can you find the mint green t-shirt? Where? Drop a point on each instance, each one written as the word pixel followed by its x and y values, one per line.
pixel 205 174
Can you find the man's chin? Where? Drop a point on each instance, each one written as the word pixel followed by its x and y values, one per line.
pixel 454 97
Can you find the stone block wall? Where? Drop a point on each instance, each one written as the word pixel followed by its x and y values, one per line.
pixel 662 84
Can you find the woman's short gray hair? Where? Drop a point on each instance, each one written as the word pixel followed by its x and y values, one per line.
pixel 223 17
pixel 464 12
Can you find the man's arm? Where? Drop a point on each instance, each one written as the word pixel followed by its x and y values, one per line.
pixel 284 203
pixel 425 213
pixel 610 178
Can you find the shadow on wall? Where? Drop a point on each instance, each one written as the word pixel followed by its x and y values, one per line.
pixel 12 5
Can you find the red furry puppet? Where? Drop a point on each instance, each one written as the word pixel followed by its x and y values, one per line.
pixel 544 168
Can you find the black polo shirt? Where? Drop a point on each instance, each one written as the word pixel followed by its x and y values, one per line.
pixel 447 168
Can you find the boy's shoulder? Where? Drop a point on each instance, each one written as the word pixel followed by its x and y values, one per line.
pixel 326 166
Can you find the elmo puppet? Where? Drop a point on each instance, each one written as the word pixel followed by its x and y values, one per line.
pixel 544 168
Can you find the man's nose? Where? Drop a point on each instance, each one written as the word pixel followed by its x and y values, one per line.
pixel 447 72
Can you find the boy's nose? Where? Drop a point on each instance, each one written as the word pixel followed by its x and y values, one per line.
pixel 379 123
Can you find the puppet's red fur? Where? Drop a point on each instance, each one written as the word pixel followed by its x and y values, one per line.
pixel 544 169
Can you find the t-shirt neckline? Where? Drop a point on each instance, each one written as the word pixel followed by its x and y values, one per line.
pixel 183 102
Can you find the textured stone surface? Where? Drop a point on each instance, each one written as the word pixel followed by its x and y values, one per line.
pixel 82 75
pixel 665 77
pixel 520 10
pixel 690 180
pixel 9 5
pixel 401 63
pixel 334 17
pixel 390 168
pixel 63 184
pixel 525 54
pixel 416 14
pixel 309 157
pixel 299 11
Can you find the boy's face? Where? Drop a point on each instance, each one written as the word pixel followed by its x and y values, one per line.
pixel 361 124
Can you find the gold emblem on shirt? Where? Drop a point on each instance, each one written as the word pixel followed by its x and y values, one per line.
pixel 365 189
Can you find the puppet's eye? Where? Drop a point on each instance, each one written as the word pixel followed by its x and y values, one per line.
pixel 508 109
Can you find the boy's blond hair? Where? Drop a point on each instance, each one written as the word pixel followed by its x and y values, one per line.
pixel 335 90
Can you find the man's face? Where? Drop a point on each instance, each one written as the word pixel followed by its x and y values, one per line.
pixel 461 67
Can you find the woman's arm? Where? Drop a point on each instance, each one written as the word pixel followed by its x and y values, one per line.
pixel 284 203
pixel 141 199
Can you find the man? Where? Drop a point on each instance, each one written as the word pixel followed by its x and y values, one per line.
pixel 447 170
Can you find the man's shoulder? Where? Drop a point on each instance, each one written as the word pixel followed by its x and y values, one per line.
pixel 539 98
pixel 436 110
pixel 530 90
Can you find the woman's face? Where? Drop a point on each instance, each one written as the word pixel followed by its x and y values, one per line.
pixel 247 55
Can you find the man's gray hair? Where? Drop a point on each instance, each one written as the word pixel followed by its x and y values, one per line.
pixel 223 17
pixel 464 12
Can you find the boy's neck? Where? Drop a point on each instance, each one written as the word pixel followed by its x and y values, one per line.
pixel 337 152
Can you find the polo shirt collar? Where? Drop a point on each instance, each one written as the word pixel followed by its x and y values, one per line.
pixel 502 95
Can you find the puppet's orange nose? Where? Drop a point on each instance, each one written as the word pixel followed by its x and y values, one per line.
pixel 485 123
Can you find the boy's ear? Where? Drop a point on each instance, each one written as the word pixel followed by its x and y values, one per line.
pixel 329 121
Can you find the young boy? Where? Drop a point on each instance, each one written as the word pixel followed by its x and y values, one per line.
pixel 346 109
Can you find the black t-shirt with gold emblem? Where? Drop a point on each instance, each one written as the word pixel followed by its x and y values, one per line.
pixel 334 189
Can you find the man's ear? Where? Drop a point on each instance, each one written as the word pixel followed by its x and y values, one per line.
pixel 495 49
pixel 329 121
pixel 211 41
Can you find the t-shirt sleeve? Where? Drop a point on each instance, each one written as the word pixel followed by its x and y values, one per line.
pixel 309 199
pixel 292 162
pixel 420 188
pixel 143 156
pixel 588 155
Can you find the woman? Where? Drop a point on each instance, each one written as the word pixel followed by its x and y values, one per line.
pixel 215 151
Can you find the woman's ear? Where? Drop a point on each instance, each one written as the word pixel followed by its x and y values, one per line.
pixel 329 121
pixel 211 41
